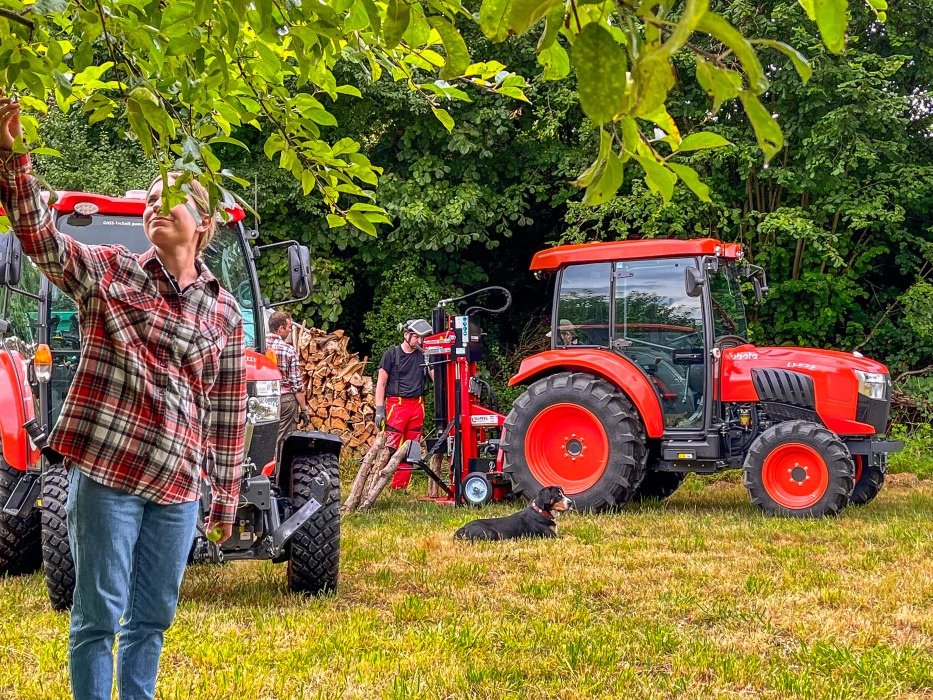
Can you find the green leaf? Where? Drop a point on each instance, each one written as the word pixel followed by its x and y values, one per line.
pixel 140 126
pixel 556 62
pixel 398 16
pixel 524 14
pixel 45 151
pixel 458 57
pixel 552 25
pixel 513 92
pixel 610 179
pixel 716 26
pixel 494 19
pixel 443 116
pixel 701 140
pixel 799 60
pixel 588 176
pixel 767 132
pixel 691 180
pixel 658 177
pixel 232 141
pixel 832 18
pixel 721 84
pixel 654 79
pixel 178 18
pixel 359 220
pixel 600 66
pixel 335 221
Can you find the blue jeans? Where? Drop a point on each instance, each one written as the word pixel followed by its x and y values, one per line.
pixel 130 556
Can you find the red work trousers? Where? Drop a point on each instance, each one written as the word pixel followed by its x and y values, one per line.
pixel 404 421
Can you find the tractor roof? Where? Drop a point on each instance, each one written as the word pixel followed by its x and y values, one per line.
pixel 132 205
pixel 555 258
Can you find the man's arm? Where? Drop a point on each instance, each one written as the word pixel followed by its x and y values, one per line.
pixel 228 429
pixel 70 265
pixel 382 379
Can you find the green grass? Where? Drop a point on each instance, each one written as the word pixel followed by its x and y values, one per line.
pixel 699 597
pixel 917 455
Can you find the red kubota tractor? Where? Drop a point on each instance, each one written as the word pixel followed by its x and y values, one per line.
pixel 288 512
pixel 650 376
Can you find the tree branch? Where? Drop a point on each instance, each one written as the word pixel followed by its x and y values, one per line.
pixel 18 18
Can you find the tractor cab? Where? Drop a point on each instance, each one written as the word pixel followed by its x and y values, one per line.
pixel 662 316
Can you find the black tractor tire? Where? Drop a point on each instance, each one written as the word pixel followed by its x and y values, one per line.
pixel 658 485
pixel 314 564
pixel 20 551
pixel 597 399
pixel 57 563
pixel 867 483
pixel 779 463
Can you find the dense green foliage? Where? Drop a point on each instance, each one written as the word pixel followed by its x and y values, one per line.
pixel 840 218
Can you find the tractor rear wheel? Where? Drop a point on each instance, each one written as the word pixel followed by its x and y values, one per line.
pixel 20 552
pixel 578 432
pixel 869 478
pixel 799 469
pixel 57 563
pixel 658 485
pixel 314 560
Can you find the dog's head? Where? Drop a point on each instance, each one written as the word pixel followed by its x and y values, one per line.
pixel 552 499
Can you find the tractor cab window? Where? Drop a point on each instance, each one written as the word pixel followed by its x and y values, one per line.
pixel 659 328
pixel 226 259
pixel 728 306
pixel 22 310
pixel 65 341
pixel 583 306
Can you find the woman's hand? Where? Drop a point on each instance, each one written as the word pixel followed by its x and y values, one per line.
pixel 10 129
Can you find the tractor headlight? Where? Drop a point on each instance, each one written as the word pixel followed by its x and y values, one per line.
pixel 267 388
pixel 263 409
pixel 874 385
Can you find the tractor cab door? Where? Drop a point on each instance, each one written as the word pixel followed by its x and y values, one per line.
pixel 660 328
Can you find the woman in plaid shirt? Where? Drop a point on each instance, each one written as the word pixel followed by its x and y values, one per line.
pixel 159 396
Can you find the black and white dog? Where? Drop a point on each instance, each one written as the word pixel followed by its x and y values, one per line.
pixel 539 519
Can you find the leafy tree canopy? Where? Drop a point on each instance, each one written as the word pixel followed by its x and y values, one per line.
pixel 181 75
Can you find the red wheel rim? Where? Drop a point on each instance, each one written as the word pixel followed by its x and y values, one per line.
pixel 859 465
pixel 567 446
pixel 795 476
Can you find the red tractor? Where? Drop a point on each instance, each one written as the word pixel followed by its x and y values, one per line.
pixel 650 376
pixel 289 512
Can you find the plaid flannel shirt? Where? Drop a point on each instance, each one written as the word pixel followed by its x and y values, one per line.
pixel 286 357
pixel 160 390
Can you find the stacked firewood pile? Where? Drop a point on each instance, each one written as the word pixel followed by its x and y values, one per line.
pixel 340 396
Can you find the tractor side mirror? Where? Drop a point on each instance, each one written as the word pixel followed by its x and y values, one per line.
pixel 11 259
pixel 693 281
pixel 299 270
pixel 759 292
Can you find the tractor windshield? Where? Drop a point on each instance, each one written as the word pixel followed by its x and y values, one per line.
pixel 225 257
pixel 728 306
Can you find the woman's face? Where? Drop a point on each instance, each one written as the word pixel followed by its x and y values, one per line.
pixel 178 229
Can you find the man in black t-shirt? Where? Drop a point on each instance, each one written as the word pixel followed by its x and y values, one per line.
pixel 400 391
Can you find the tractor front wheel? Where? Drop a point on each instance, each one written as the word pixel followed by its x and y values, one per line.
pixel 314 560
pixel 799 469
pixel 578 432
pixel 57 563
pixel 869 478
pixel 20 552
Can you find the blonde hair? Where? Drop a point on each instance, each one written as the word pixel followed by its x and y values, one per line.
pixel 202 207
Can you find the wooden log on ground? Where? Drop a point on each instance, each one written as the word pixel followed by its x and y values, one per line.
pixel 384 475
pixel 372 462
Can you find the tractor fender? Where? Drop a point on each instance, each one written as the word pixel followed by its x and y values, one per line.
pixel 616 370
pixel 301 443
pixel 16 407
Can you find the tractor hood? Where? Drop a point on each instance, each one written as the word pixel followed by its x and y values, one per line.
pixel 847 391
